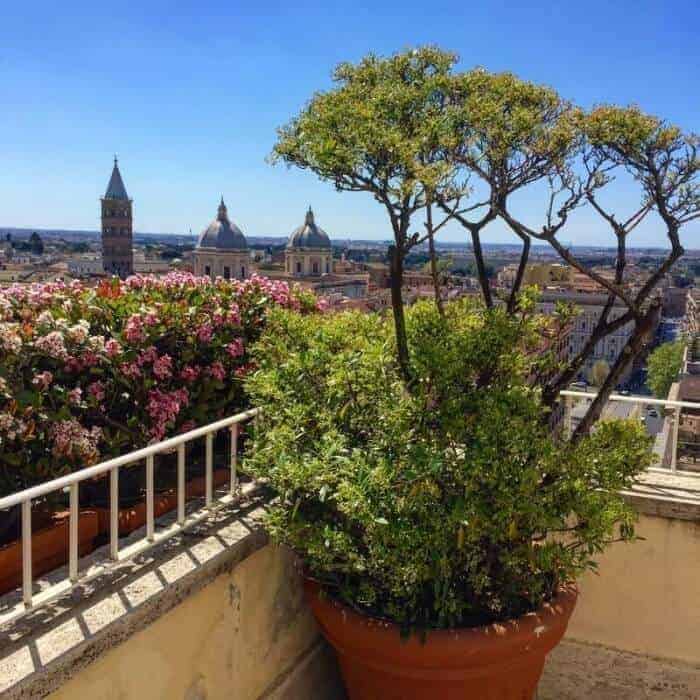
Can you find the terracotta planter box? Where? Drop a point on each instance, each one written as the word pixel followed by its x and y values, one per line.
pixel 133 517
pixel 50 535
pixel 501 661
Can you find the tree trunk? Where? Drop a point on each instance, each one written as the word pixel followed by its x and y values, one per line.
pixel 433 260
pixel 481 267
pixel 396 282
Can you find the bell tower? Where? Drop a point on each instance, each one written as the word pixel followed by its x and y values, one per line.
pixel 117 227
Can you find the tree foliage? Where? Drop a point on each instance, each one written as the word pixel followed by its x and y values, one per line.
pixel 419 135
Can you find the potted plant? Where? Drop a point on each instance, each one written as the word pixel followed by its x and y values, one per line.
pixel 440 520
pixel 88 372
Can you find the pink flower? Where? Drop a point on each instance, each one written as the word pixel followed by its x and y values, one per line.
pixel 217 371
pixel 113 348
pixel 52 345
pixel 70 439
pixel 42 380
pixel 90 359
pixel 234 315
pixel 163 408
pixel 235 347
pixel 75 396
pixel 149 355
pixel 189 373
pixel 97 391
pixel 163 367
pixel 130 370
pixel 134 330
pixel 218 317
pixel 205 333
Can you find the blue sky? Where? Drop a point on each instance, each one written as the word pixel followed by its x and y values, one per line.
pixel 189 95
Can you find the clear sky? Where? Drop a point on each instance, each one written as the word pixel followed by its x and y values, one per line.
pixel 189 95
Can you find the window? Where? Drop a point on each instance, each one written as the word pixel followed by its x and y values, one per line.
pixel 298 268
pixel 227 272
pixel 207 270
pixel 242 272
pixel 315 268
pixel 328 267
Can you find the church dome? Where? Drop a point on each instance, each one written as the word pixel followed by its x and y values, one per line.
pixel 222 234
pixel 309 235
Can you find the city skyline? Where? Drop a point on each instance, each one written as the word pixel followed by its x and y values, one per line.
pixel 192 118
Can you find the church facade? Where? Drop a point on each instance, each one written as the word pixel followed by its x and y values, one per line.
pixel 308 252
pixel 117 227
pixel 222 249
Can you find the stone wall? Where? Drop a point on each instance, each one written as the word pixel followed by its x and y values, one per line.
pixel 234 638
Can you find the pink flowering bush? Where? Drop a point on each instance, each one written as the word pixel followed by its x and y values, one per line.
pixel 90 372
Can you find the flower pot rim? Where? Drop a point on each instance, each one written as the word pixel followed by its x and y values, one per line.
pixel 348 630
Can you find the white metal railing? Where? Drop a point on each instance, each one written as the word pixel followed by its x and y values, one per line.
pixel 669 430
pixel 70 483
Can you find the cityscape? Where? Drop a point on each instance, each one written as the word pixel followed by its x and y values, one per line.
pixel 350 354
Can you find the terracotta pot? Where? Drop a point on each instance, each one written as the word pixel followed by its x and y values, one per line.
pixel 501 661
pixel 50 533
pixel 133 517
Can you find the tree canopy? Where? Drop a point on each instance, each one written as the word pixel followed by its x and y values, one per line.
pixel 417 135
pixel 663 367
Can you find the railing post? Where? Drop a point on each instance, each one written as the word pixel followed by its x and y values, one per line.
pixel 27 553
pixel 73 533
pixel 181 483
pixel 674 438
pixel 567 416
pixel 209 470
pixel 114 513
pixel 150 487
pixel 234 458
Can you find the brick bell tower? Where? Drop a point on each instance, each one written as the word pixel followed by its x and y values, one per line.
pixel 117 227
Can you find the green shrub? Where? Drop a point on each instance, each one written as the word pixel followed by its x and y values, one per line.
pixel 446 504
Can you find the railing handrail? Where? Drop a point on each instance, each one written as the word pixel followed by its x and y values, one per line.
pixel 632 399
pixel 63 482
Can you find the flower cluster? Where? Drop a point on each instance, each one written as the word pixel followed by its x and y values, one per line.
pixel 92 371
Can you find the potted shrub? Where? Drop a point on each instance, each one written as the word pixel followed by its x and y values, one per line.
pixel 420 473
pixel 448 514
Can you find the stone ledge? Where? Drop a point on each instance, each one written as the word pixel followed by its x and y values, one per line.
pixel 666 495
pixel 41 651
pixel 580 671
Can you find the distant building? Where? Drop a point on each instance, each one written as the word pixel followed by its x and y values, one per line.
pixel 692 311
pixel 308 252
pixel 86 266
pixel 6 248
pixel 674 301
pixel 222 249
pixel 117 227
pixel 590 306
pixel 540 274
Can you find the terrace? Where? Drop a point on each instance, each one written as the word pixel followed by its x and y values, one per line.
pixel 197 604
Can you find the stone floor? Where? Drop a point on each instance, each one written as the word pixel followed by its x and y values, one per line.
pixel 582 672
pixel 574 671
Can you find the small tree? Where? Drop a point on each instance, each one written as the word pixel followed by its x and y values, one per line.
pixel 663 367
pixel 382 130
pixel 417 136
